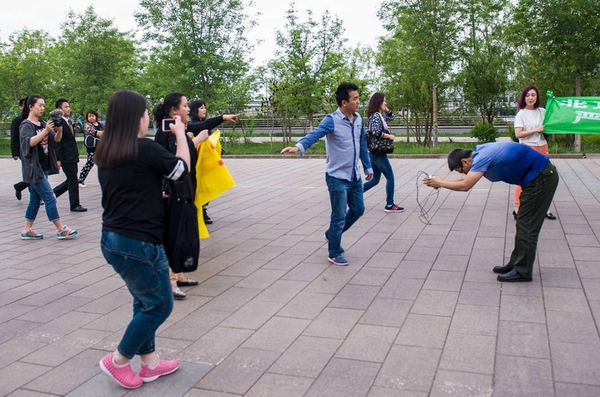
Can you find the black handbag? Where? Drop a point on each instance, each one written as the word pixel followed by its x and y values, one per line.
pixel 182 239
pixel 379 145
pixel 90 141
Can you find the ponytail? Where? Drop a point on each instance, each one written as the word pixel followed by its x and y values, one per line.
pixel 159 114
pixel 161 111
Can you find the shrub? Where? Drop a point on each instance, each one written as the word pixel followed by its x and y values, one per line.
pixel 484 132
pixel 511 133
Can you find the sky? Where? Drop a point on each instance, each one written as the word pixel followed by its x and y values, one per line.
pixel 359 18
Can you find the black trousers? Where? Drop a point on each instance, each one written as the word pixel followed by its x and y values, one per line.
pixel 535 201
pixel 20 186
pixel 71 184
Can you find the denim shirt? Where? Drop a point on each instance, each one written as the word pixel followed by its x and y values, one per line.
pixel 345 143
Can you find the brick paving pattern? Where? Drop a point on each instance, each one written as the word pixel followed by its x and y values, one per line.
pixel 418 312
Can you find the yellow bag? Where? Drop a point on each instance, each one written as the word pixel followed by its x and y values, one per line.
pixel 212 176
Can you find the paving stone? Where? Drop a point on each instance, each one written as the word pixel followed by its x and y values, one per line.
pixel 377 391
pixel 215 285
pixel 401 288
pixel 563 278
pixel 50 294
pixel 522 308
pixel 444 281
pixel 232 299
pixel 253 314
pixel 592 289
pixel 408 367
pixel 381 259
pixel 333 323
pixel 572 327
pixel 208 393
pixel 238 372
pixel 195 325
pixel 277 334
pixel 523 339
pixel 469 353
pixel 483 294
pixel 261 278
pixel 306 305
pixel 455 263
pixel 374 276
pixel 386 312
pixel 424 331
pixel 275 385
pixel 306 357
pixel 17 374
pixel 452 383
pixel 355 297
pixel 576 363
pixel 60 326
pixel 69 375
pixel 521 376
pixel 282 291
pixel 475 320
pixel 15 349
pixel 13 328
pixel 28 393
pixel 368 343
pixel 439 303
pixel 570 390
pixel 344 378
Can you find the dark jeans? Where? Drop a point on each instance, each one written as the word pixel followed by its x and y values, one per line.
pixel 71 184
pixel 381 165
pixel 347 205
pixel 41 191
pixel 145 269
pixel 535 201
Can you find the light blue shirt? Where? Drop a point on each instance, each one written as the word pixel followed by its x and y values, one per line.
pixel 345 143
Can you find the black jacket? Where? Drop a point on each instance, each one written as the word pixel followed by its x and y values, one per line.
pixel 197 126
pixel 15 144
pixel 67 148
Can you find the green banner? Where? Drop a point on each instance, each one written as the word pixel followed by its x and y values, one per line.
pixel 572 115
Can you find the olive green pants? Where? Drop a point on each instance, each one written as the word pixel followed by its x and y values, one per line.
pixel 535 201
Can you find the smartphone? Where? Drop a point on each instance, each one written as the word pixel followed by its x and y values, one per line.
pixel 166 124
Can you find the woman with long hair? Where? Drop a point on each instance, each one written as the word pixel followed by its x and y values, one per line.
pixel 176 105
pixel 378 115
pixel 131 171
pixel 199 122
pixel 93 128
pixel 529 128
pixel 38 160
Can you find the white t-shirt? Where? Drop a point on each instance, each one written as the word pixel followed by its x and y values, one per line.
pixel 528 120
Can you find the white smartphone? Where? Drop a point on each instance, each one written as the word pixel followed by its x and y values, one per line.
pixel 166 124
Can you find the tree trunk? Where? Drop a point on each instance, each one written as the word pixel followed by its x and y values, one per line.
pixel 435 117
pixel 578 93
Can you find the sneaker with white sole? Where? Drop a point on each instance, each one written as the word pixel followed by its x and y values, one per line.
pixel 32 235
pixel 122 374
pixel 164 367
pixel 82 184
pixel 338 260
pixel 66 233
pixel 393 208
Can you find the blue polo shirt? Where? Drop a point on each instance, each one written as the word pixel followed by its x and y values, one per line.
pixel 508 162
pixel 345 143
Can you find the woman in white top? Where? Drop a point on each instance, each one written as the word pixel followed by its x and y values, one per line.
pixel 530 130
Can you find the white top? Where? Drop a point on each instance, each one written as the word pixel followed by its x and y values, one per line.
pixel 528 120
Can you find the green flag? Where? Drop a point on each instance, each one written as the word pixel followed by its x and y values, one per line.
pixel 572 115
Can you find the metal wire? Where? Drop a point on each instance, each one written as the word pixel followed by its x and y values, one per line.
pixel 424 208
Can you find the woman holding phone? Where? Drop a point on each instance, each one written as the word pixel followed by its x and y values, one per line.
pixel 131 171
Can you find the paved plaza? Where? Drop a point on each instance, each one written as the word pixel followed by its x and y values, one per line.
pixel 418 312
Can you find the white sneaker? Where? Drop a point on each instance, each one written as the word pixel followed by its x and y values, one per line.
pixel 82 184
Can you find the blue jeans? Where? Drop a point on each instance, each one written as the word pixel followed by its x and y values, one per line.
pixel 347 205
pixel 381 164
pixel 38 192
pixel 145 269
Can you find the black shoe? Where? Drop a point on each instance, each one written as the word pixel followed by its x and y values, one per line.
pixel 513 277
pixel 551 216
pixel 502 269
pixel 207 220
pixel 78 209
pixel 187 283
pixel 515 215
pixel 17 193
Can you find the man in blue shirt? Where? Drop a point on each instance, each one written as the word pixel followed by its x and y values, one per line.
pixel 346 144
pixel 516 164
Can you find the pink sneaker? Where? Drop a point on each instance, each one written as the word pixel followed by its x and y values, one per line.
pixel 123 375
pixel 164 367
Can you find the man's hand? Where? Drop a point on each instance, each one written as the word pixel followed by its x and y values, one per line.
pixel 368 177
pixel 434 181
pixel 290 149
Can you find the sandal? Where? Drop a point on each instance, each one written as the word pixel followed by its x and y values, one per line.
pixel 188 282
pixel 551 216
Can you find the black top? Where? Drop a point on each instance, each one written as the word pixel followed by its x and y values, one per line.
pixel 196 126
pixel 169 142
pixel 14 136
pixel 67 149
pixel 33 170
pixel 132 193
pixel 43 154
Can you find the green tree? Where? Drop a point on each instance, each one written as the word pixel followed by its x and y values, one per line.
pixel 27 66
pixel 557 45
pixel 308 59
pixel 485 57
pixel 96 59
pixel 201 47
pixel 416 57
